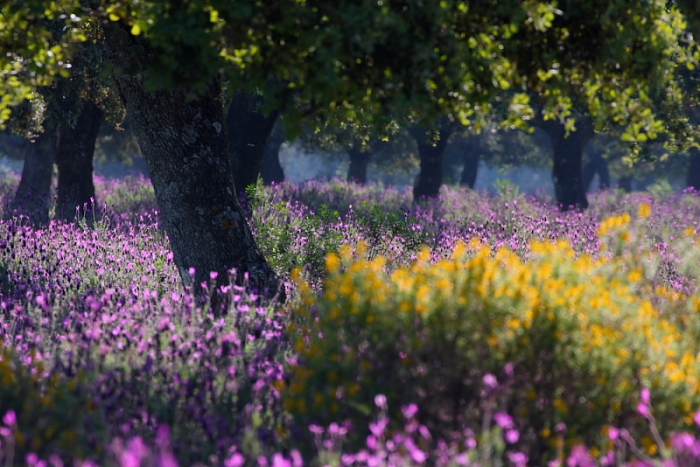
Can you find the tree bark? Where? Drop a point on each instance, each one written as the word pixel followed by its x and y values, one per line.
pixel 184 140
pixel 472 154
pixel 596 165
pixel 431 152
pixel 359 161
pixel 33 194
pixel 76 148
pixel 567 170
pixel 693 177
pixel 249 130
pixel 271 170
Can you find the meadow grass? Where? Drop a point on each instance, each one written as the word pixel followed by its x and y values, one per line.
pixel 470 330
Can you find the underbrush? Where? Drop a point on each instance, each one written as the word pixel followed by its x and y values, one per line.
pixel 472 329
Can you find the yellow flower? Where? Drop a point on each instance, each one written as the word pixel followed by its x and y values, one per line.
pixel 332 263
pixel 644 210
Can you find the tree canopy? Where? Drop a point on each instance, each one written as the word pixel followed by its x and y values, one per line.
pixel 377 60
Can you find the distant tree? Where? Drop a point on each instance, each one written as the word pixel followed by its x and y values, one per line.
pixel 271 170
pixel 596 165
pixel 359 160
pixel 431 150
pixel 249 128
pixel 567 166
pixel 33 195
pixel 74 158
pixel 693 177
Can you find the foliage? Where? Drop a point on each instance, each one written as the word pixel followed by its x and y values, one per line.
pixel 102 302
pixel 373 62
pixel 429 332
pixel 53 411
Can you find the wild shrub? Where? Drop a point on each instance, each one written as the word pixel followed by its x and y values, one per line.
pixel 46 412
pixel 572 338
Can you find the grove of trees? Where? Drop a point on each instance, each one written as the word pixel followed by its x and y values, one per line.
pixel 176 66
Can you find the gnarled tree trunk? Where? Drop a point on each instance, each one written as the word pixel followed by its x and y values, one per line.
pixel 359 161
pixel 271 170
pixel 33 194
pixel 248 130
pixel 431 149
pixel 567 170
pixel 76 148
pixel 185 144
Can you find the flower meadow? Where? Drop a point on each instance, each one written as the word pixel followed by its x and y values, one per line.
pixel 475 329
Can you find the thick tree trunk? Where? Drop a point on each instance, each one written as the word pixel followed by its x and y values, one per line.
pixel 359 161
pixel 249 129
pixel 431 151
pixel 271 170
pixel 76 148
pixel 693 178
pixel 33 194
pixel 185 144
pixel 567 170
pixel 472 154
pixel 596 165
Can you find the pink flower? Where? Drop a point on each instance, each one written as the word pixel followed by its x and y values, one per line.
pixel 490 381
pixel 380 400
pixel 512 436
pixel 418 456
pixel 643 410
pixel 236 460
pixel 279 461
pixel 409 410
pixel 503 420
pixel 580 457
pixel 646 396
pixel 378 428
pixel 614 433
pixel 315 429
pixel 10 418
pixel 518 458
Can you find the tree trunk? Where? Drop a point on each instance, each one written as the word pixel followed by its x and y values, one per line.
pixel 567 170
pixel 184 141
pixel 33 194
pixel 625 183
pixel 431 151
pixel 693 178
pixel 271 170
pixel 249 129
pixel 76 148
pixel 472 154
pixel 359 160
pixel 596 165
